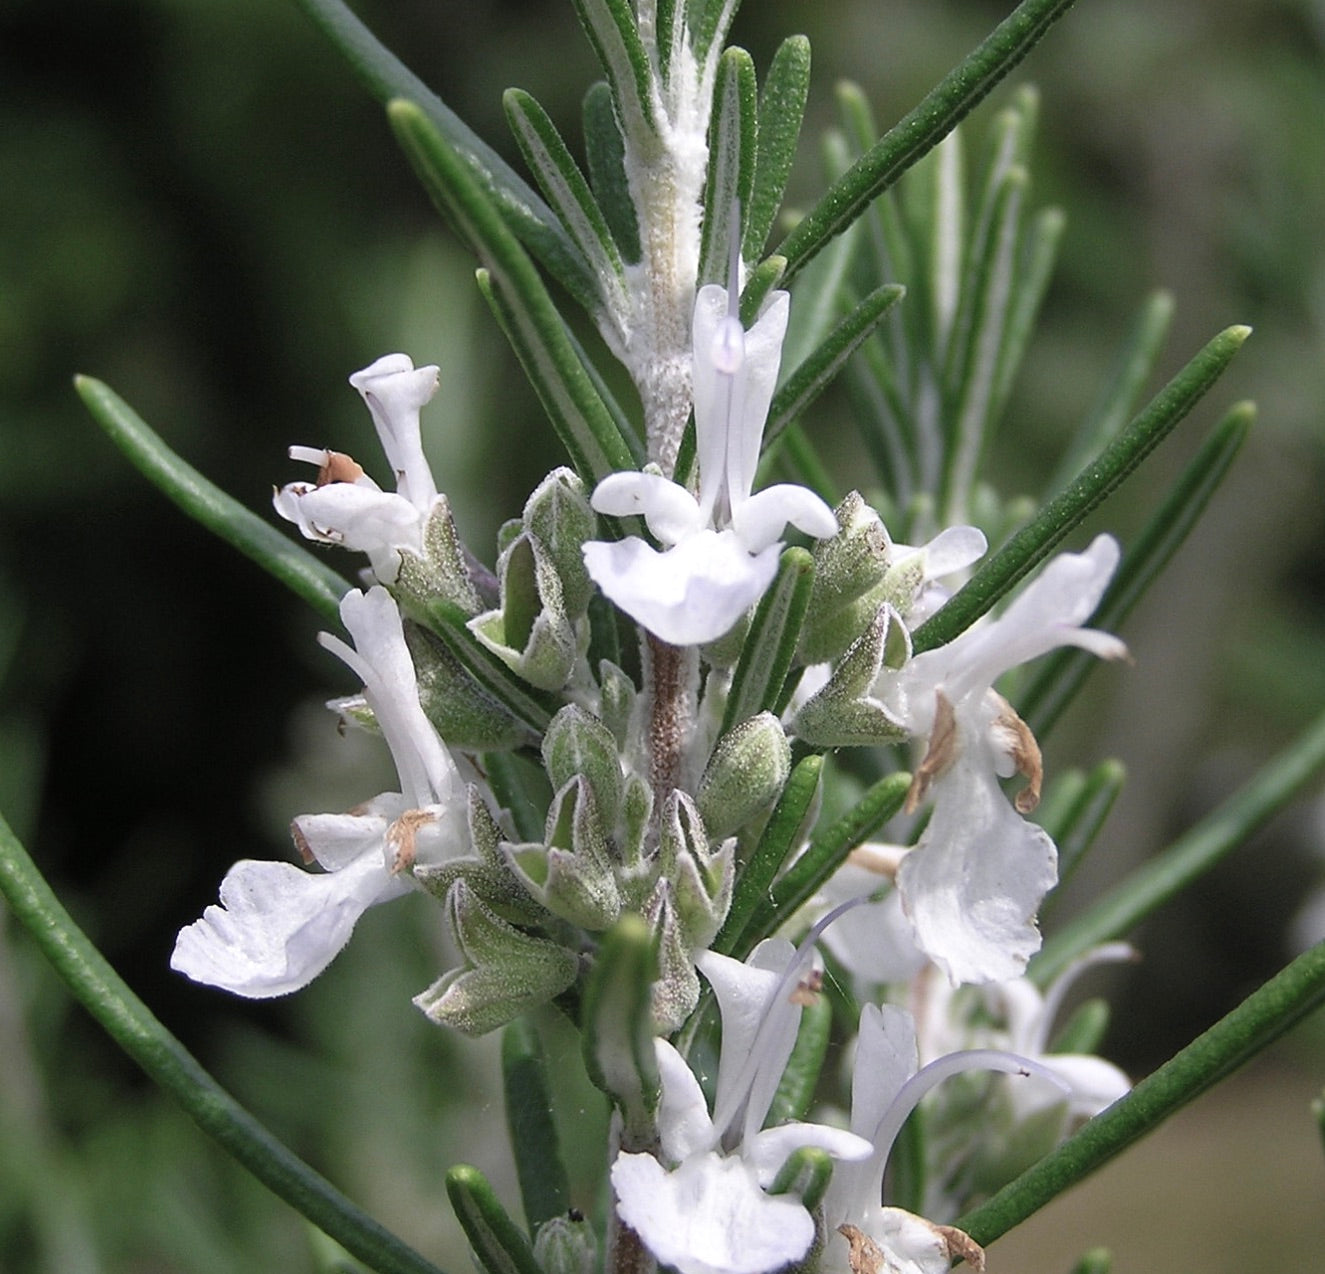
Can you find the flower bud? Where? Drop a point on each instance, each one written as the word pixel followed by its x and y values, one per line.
pixel 746 772
pixel 558 516
pixel 566 1245
pixel 440 570
pixel 505 973
pixel 578 743
pixel 571 874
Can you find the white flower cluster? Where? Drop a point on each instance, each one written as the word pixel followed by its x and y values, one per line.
pixel 665 772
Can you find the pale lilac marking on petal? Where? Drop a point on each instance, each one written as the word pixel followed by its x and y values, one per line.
pixel 278 927
pixel 691 594
pixel 709 1216
pixel 974 882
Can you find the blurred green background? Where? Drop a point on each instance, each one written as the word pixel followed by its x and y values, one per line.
pixel 202 208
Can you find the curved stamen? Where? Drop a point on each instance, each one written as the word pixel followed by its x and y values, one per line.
pixel 910 1095
pixel 742 1089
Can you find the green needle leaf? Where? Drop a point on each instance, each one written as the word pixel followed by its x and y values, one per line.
pixel 605 151
pixel 1132 367
pixel 781 113
pixel 538 333
pixel 386 77
pixel 1219 833
pixel 823 855
pixel 499 1245
pixel 610 26
pixel 617 1025
pixel 770 646
pixel 449 622
pixel 221 514
pixel 1060 676
pixel 131 1024
pixel 817 372
pixel 731 174
pixel 564 184
pixel 544 1189
pixel 775 847
pixel 959 92
pixel 1034 542
pixel 801 1077
pixel 1256 1023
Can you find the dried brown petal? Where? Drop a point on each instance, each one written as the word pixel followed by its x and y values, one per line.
pixel 939 757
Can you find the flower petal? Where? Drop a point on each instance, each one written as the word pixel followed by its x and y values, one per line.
pixel 760 520
pixel 670 510
pixel 975 880
pixel 691 594
pixel 709 1216
pixel 767 1151
pixel 395 391
pixel 278 927
pixel 684 1126
pixel 380 656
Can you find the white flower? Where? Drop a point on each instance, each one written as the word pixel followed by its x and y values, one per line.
pixel 721 549
pixel 887 1084
pixel 705 1210
pixel 1019 1017
pixel 974 881
pixel 279 926
pixel 345 506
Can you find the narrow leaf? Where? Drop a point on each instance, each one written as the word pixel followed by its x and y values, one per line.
pixel 131 1024
pixel 544 1189
pixel 224 516
pixel 1119 911
pixel 538 333
pixel 973 373
pixel 1131 368
pixel 800 1079
pixel 449 622
pixel 1034 542
pixel 1257 1022
pixel 617 1026
pixel 923 128
pixel 731 173
pixel 770 645
pixel 610 26
pixel 781 113
pixel 817 372
pixel 499 1245
pixel 386 77
pixel 776 845
pixel 1082 821
pixel 1060 676
pixel 824 854
pixel 605 150
pixel 561 180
